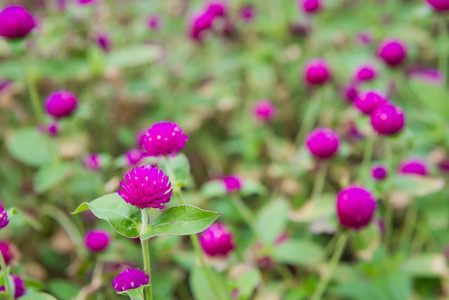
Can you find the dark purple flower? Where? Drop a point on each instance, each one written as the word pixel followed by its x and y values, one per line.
pixel 217 240
pixel 97 240
pixel 103 41
pixel 232 184
pixel 264 110
pixel 365 73
pixel 316 71
pixel 7 251
pixel 309 6
pixel 323 143
pixel 92 162
pixel 355 207
pixel 4 221
pixel 216 8
pixel 379 172
pixel 154 22
pixel 413 166
pixel 130 279
pixel 164 138
pixel 349 92
pixel 444 165
pixel 439 5
pixel 367 102
pixel 61 104
pixel 15 22
pixel 388 119
pixel 133 156
pixel 393 52
pixel 19 287
pixel 146 186
pixel 247 13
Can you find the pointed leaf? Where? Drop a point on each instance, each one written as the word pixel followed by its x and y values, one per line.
pixel 134 293
pixel 30 147
pixel 272 219
pixel 298 252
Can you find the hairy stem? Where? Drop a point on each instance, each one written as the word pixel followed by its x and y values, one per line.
pixel 146 253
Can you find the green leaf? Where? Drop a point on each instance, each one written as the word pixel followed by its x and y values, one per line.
pixel 272 220
pixel 428 265
pixel 63 289
pixel 123 217
pixel 132 56
pixel 213 188
pixel 181 220
pixel 313 210
pixel 21 217
pixel 50 175
pixel 37 296
pixel 418 186
pixel 247 282
pixel 360 290
pixel 199 284
pixel 30 147
pixel 134 293
pixel 367 241
pixel 299 252
pixel 180 167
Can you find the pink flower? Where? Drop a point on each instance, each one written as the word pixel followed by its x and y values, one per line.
pixel 316 72
pixel 232 184
pixel 92 162
pixel 365 73
pixel 103 41
pixel 130 279
pixel 217 240
pixel 164 138
pixel 133 156
pixel 19 287
pixel 247 13
pixel 264 110
pixel 7 251
pixel 393 52
pixel 199 24
pixel 355 207
pixel 439 5
pixel 310 6
pixel 349 92
pixel 379 172
pixel 367 102
pixel 61 104
pixel 413 166
pixel 15 22
pixel 154 22
pixel 97 240
pixel 323 143
pixel 4 220
pixel 388 119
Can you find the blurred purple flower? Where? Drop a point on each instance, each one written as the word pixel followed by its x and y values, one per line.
pixel 413 166
pixel 97 240
pixel 379 172
pixel 355 207
pixel 154 22
pixel 15 22
pixel 4 220
pixel 392 51
pixel 323 143
pixel 217 240
pixel 349 92
pixel 365 73
pixel 232 184
pixel 61 104
pixel 19 287
pixel 133 156
pixel 92 162
pixel 310 6
pixel 388 120
pixel 439 5
pixel 432 76
pixel 367 102
pixel 103 41
pixel 247 13
pixel 7 252
pixel 316 71
pixel 364 38
pixel 264 110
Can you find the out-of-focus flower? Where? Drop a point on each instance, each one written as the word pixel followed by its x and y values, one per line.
pixel 349 92
pixel 97 240
pixel 316 71
pixel 309 6
pixel 388 119
pixel 247 13
pixel 19 287
pixel 4 220
pixel 439 5
pixel 103 40
pixel 379 172
pixel 432 76
pixel 365 73
pixel 413 166
pixel 130 279
pixel 7 252
pixel 15 22
pixel 92 162
pixel 393 52
pixel 164 138
pixel 323 143
pixel 264 110
pixel 217 240
pixel 232 184
pixel 355 207
pixel 133 156
pixel 61 104
pixel 367 102
pixel 364 38
pixel 154 22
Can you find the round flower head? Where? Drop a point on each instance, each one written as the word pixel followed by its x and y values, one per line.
pixel 392 52
pixel 310 6
pixel 349 93
pixel 7 252
pixel 103 41
pixel 53 129
pixel 264 110
pixel 247 13
pixel 366 73
pixel 199 24
pixel 323 143
pixel 97 240
pixel 232 184
pixel 130 279
pixel 367 102
pixel 388 119
pixel 316 72
pixel 217 240
pixel 154 22
pixel 15 22
pixel 146 186
pixel 379 172
pixel 19 287
pixel 216 8
pixel 92 162
pixel 61 104
pixel 85 2
pixel 4 221
pixel 439 5
pixel 413 166
pixel 133 156
pixel 164 138
pixel 355 207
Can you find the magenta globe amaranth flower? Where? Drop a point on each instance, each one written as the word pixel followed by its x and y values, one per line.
pixel 310 6
pixel 154 22
pixel 232 184
pixel 164 138
pixel 379 172
pixel 103 41
pixel 97 240
pixel 355 207
pixel 367 102
pixel 217 240
pixel 146 186
pixel 4 220
pixel 247 13
pixel 7 252
pixel 19 287
pixel 316 72
pixel 130 279
pixel 349 92
pixel 393 52
pixel 15 22
pixel 413 166
pixel 439 5
pixel 199 24
pixel 92 162
pixel 86 2
pixel 133 156
pixel 323 143
pixel 264 110
pixel 365 73
pixel 61 104
pixel 388 119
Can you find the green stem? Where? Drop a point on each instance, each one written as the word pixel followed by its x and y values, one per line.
pixel 388 221
pixel 409 225
pixel 364 170
pixel 146 253
pixel 32 91
pixel 6 277
pixel 341 243
pixel 444 55
pixel 244 212
pixel 320 179
pixel 310 118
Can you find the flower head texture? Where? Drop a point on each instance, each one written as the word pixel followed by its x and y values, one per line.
pixel 323 143
pixel 365 73
pixel 61 104
pixel 164 138
pixel 264 110
pixel 19 287
pixel 130 279
pixel 393 52
pixel 92 162
pixel 413 166
pixel 439 5
pixel 379 172
pixel 217 240
pixel 388 119
pixel 367 102
pixel 146 186
pixel 232 184
pixel 355 207
pixel 97 240
pixel 316 72
pixel 310 6
pixel 7 251
pixel 4 220
pixel 15 22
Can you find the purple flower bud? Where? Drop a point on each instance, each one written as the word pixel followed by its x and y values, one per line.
pixel 323 143
pixel 393 52
pixel 92 162
pixel 133 156
pixel 130 279
pixel 388 119
pixel 217 240
pixel 366 73
pixel 413 166
pixel 7 251
pixel 349 92
pixel 309 6
pixel 264 110
pixel 199 24
pixel 154 22
pixel 379 172
pixel 19 287
pixel 103 41
pixel 247 13
pixel 4 221
pixel 364 38
pixel 97 240
pixel 164 138
pixel 367 102
pixel 439 5
pixel 146 186
pixel 316 72
pixel 61 104
pixel 15 22
pixel 232 184
pixel 53 129
pixel 355 207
